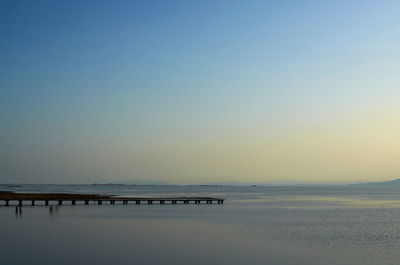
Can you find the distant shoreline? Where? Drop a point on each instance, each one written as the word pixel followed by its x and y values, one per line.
pixel 9 195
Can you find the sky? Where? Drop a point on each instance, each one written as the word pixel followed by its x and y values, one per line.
pixel 190 92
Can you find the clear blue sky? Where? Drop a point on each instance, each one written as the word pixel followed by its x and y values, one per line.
pixel 199 91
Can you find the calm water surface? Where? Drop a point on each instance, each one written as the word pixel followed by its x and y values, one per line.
pixel 256 225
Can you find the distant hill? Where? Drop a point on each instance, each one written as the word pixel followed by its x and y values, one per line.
pixel 272 184
pixel 389 183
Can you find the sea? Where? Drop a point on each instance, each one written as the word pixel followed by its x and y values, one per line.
pixel 307 225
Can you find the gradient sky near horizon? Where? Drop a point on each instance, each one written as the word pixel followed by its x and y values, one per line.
pixel 199 91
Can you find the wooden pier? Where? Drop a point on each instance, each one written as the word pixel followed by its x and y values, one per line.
pixel 20 199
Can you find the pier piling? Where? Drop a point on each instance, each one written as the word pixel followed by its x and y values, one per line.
pixel 86 198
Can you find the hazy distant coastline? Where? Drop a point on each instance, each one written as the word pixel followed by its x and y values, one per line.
pixel 390 183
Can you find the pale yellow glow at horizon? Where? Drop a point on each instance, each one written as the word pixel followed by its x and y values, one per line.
pixel 364 147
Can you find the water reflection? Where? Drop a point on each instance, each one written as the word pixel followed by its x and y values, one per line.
pixel 18 211
pixel 53 210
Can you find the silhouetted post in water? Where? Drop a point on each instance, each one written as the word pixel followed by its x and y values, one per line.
pixel 137 202
pixel 16 210
pixel 73 202
pixel 173 202
pixel 20 203
pixel 46 202
pixel 7 203
pixel 20 211
pixel 99 202
pixel 162 202
pixel 86 202
pixel 149 202
pixel 60 202
pixel 33 202
pixel 197 202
